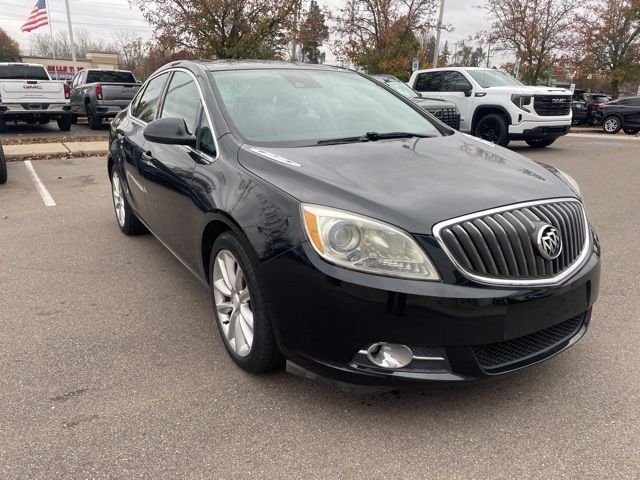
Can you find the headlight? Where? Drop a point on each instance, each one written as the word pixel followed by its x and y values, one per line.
pixel 570 181
pixel 521 100
pixel 360 243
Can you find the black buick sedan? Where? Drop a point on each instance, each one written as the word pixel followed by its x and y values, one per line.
pixel 341 227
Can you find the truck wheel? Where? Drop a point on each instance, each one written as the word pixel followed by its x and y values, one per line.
pixel 611 125
pixel 64 123
pixel 74 119
pixel 94 122
pixel 3 167
pixel 539 142
pixel 493 128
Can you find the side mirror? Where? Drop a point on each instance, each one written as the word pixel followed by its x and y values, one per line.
pixel 169 131
pixel 467 93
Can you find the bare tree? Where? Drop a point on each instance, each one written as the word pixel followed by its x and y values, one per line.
pixel 534 30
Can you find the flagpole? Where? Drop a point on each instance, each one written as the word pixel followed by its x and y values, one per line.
pixel 72 44
pixel 53 44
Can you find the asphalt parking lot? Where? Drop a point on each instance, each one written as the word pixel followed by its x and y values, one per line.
pixel 111 366
pixel 51 130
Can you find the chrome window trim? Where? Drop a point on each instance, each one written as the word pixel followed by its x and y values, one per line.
pixel 558 279
pixel 204 107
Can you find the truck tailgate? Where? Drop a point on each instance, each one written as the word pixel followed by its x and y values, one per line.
pixel 119 91
pixel 27 90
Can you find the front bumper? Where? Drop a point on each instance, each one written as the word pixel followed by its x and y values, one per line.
pixel 324 315
pixel 529 129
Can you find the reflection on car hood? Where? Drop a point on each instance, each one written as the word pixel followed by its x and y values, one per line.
pixel 428 102
pixel 412 183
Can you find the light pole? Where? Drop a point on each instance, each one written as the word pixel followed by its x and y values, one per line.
pixel 436 50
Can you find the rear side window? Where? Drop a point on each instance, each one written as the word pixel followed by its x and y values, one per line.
pixel 182 100
pixel 23 72
pixel 109 76
pixel 455 82
pixel 147 105
pixel 430 82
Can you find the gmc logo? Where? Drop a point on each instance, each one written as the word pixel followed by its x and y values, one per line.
pixel 32 87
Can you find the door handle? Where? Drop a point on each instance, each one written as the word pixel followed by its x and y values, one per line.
pixel 146 157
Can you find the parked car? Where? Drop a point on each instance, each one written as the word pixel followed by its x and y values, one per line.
pixel 445 111
pixel 498 108
pixel 27 94
pixel 336 224
pixel 3 167
pixel 620 114
pixel 591 101
pixel 101 94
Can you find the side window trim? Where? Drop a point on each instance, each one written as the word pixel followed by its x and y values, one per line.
pixel 137 98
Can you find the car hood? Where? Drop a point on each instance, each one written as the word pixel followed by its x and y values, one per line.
pixel 529 90
pixel 412 183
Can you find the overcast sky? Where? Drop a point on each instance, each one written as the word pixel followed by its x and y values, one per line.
pixel 103 18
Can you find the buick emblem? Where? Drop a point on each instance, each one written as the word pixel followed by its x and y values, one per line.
pixel 549 242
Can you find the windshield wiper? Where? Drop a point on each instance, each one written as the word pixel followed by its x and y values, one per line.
pixel 373 136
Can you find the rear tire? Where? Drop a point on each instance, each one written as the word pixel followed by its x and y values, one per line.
pixel 493 128
pixel 95 123
pixel 3 167
pixel 3 125
pixel 540 142
pixel 240 306
pixel 74 119
pixel 630 131
pixel 64 123
pixel 125 218
pixel 611 125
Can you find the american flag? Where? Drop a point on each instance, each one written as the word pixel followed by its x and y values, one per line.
pixel 37 18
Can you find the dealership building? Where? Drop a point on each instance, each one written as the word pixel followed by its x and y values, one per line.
pixel 64 68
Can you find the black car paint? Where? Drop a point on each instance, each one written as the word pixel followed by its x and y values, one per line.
pixel 627 110
pixel 324 313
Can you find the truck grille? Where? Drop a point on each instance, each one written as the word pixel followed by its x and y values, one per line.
pixel 552 105
pixel 501 246
pixel 497 356
pixel 450 116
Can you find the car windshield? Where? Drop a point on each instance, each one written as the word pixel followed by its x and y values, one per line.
pixel 294 107
pixel 401 88
pixel 600 99
pixel 488 77
pixel 109 76
pixel 23 72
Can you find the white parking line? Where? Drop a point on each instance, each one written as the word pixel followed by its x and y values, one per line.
pixel 42 190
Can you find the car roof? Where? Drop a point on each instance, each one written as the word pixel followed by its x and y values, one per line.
pixel 217 65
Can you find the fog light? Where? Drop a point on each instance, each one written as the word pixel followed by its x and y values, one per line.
pixel 389 355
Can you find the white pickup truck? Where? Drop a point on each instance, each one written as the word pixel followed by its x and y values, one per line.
pixel 27 94
pixel 496 107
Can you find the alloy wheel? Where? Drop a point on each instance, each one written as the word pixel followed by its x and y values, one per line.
pixel 611 124
pixel 233 303
pixel 118 200
pixel 488 131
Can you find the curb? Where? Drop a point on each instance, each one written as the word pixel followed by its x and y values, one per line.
pixel 54 150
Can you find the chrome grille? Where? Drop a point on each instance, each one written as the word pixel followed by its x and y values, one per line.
pixel 500 246
pixel 552 105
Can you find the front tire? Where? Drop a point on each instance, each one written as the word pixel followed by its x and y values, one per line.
pixel 539 142
pixel 493 128
pixel 240 306
pixel 126 219
pixel 611 125
pixel 3 167
pixel 630 131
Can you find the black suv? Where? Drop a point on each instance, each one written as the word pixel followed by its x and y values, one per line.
pixel 620 114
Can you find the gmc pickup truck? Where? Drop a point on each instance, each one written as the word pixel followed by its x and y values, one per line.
pixel 27 94
pixel 100 94
pixel 498 108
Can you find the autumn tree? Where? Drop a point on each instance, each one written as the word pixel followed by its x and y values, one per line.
pixel 312 33
pixel 382 36
pixel 222 28
pixel 533 30
pixel 468 54
pixel 608 41
pixel 9 49
pixel 132 53
pixel 43 45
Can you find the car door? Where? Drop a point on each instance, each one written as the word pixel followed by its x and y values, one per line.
pixel 632 112
pixel 169 171
pixel 132 142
